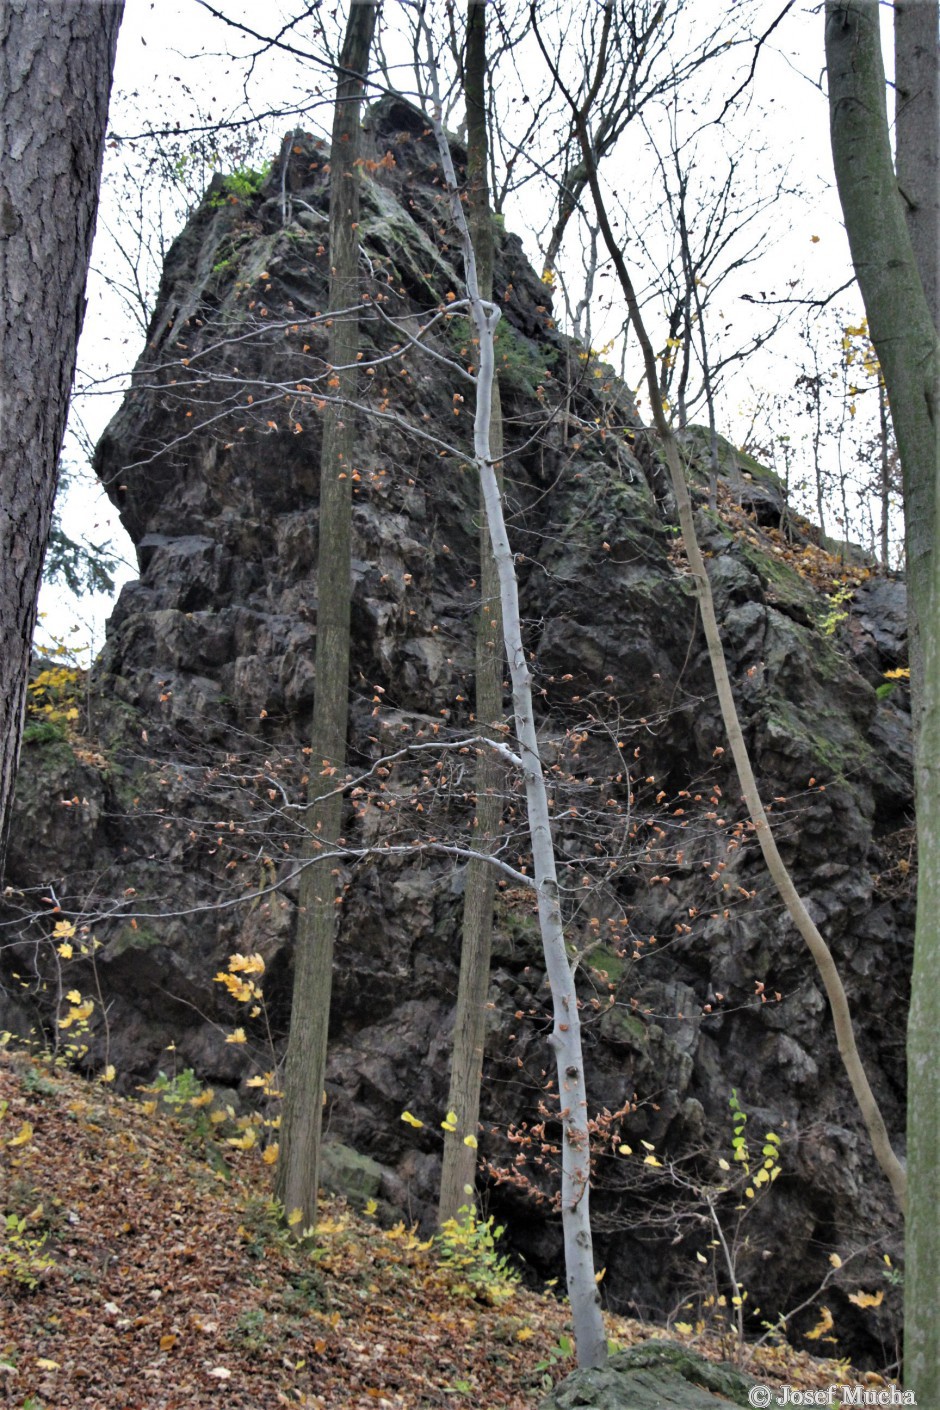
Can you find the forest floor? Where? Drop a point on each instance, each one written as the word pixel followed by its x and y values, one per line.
pixel 142 1268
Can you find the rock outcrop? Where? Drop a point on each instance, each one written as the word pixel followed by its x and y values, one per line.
pixel 657 1375
pixel 182 796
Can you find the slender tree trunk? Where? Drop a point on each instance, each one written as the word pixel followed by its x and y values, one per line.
pixel 298 1165
pixel 917 134
pixel 797 911
pixel 565 1039
pixel 459 1168
pixel 56 63
pixel 904 336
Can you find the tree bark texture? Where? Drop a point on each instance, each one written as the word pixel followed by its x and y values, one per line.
pixel 904 335
pixel 899 319
pixel 459 1167
pixel 319 897
pixel 917 134
pixel 56 63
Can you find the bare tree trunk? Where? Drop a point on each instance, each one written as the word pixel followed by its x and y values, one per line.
pixel 56 63
pixel 565 1039
pixel 903 332
pixel 797 911
pixel 917 134
pixel 459 1168
pixel 298 1165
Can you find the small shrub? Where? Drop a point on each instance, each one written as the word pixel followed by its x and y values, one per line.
pixel 22 1259
pixel 466 1248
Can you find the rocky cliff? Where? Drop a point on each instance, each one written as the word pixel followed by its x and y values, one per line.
pixel 169 826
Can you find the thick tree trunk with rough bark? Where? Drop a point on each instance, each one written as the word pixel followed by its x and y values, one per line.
pixel 56 62
pixel 904 335
pixel 301 1125
pixel 458 1174
pixel 917 134
pixel 899 319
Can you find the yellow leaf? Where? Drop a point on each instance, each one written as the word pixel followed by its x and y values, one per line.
pixel 823 1325
pixel 204 1099
pixel 835 1260
pixel 598 1277
pixel 295 1217
pixel 65 950
pixel 647 1146
pixel 63 930
pixel 524 1333
pixel 701 1258
pixel 470 1141
pixel 237 1037
pixel 45 1364
pixel 371 1206
pixel 270 1154
pixel 814 239
pixel 73 996
pixel 625 1150
pixel 246 964
pixel 723 1165
pixel 109 1073
pixel 410 1120
pixel 167 1342
pixel 684 1327
pixel 651 1160
pixel 23 1136
pixel 864 1299
pixel 245 1141
pixel 149 1108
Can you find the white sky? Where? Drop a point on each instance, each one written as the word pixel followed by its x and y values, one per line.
pixel 174 58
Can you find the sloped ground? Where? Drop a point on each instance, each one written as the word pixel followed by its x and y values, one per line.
pixel 162 1281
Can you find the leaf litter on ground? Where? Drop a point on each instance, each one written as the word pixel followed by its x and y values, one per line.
pixel 163 1280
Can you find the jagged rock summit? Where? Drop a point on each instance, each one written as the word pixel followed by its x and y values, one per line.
pixel 181 794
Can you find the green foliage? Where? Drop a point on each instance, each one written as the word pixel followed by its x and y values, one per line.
pixel 891 681
pixel 83 567
pixel 53 704
pixel 561 1351
pixel 37 1083
pixel 177 1091
pixel 249 1332
pixel 836 615
pixel 241 185
pixel 22 1259
pixel 467 1250
pixel 264 1227
pixel 738 1122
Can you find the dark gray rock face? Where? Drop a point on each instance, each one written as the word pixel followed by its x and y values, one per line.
pixel 693 981
pixel 658 1375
